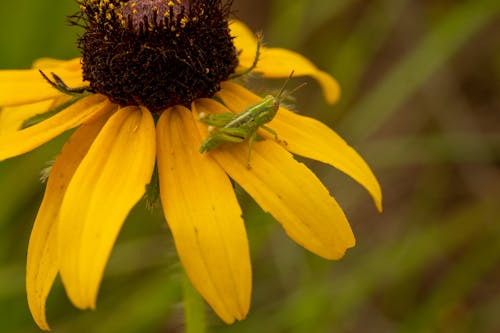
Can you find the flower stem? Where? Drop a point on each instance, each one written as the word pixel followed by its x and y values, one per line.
pixel 194 308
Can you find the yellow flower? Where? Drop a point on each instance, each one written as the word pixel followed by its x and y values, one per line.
pixel 103 170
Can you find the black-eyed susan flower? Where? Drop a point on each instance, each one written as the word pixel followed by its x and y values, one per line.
pixel 148 69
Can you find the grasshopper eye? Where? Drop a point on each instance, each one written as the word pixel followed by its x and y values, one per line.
pixel 276 105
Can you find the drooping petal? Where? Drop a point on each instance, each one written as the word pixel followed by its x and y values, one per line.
pixel 20 142
pixel 279 63
pixel 244 42
pixel 309 138
pixel 289 191
pixel 28 86
pixel 202 211
pixel 43 260
pixel 107 184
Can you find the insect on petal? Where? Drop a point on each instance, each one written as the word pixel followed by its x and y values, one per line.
pixel 290 192
pixel 309 138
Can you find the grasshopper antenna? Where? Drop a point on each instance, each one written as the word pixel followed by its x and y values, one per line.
pixel 282 90
pixel 284 84
pixel 293 90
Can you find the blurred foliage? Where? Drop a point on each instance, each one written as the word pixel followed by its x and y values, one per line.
pixel 420 84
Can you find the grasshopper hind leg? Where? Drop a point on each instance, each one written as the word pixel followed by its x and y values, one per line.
pixel 217 120
pixel 251 139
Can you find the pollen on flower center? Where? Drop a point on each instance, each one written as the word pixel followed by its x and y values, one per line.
pixel 156 53
pixel 151 11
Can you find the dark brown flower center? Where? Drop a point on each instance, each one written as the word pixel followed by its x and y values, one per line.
pixel 156 53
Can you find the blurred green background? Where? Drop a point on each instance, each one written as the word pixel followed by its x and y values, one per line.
pixel 421 82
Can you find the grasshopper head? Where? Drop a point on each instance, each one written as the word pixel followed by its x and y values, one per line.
pixel 276 104
pixel 282 94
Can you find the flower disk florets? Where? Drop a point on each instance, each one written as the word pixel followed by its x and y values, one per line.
pixel 156 53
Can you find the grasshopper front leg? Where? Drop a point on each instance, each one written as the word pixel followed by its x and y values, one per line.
pixel 273 132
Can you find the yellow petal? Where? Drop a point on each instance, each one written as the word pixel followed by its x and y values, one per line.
pixel 309 138
pixel 107 184
pixel 27 86
pixel 50 63
pixel 43 263
pixel 202 211
pixel 312 139
pixel 279 63
pixel 289 191
pixel 12 118
pixel 20 142
pixel 244 42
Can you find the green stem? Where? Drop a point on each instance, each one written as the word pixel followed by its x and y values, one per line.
pixel 194 308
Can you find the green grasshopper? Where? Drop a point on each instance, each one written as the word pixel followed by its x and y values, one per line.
pixel 236 128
